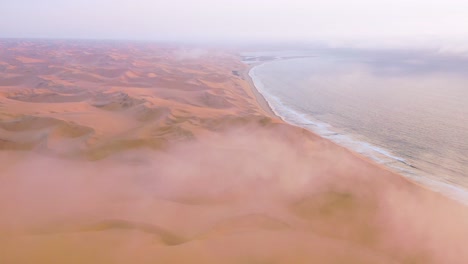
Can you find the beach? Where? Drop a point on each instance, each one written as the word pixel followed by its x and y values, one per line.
pixel 151 153
pixel 262 102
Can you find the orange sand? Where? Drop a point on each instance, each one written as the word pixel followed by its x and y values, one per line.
pixel 142 153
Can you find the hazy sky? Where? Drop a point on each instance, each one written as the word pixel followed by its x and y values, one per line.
pixel 395 22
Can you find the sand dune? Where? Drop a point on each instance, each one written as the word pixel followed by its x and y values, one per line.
pixel 153 154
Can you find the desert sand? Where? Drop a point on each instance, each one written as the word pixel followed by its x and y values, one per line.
pixel 114 152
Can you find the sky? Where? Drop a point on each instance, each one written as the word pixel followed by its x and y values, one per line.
pixel 334 22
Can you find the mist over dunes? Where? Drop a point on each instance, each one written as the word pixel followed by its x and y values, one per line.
pixel 90 98
pixel 145 153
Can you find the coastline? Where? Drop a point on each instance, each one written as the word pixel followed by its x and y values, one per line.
pixel 453 192
pixel 261 100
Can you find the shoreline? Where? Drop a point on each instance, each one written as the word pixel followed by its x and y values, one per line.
pixel 261 100
pixel 452 192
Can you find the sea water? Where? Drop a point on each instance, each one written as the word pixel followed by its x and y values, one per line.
pixel 406 110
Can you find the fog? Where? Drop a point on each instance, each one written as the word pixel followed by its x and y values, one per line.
pixel 313 201
pixel 416 23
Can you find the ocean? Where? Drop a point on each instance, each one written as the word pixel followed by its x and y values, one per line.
pixel 407 110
